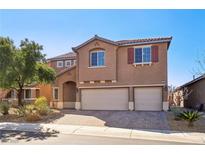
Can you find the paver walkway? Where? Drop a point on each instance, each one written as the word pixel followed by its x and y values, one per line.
pixel 118 119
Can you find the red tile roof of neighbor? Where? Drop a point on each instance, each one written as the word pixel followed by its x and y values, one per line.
pixel 70 55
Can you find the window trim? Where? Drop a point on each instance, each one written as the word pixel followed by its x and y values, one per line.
pixel 59 61
pixel 141 63
pixel 54 88
pixel 90 61
pixel 74 62
pixel 66 63
pixel 25 98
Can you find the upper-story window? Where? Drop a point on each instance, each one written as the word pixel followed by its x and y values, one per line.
pixel 68 63
pixel 97 58
pixel 59 64
pixel 142 55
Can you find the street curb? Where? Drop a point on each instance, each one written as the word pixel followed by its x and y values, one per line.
pixel 147 134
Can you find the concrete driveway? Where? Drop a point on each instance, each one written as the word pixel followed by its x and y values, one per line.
pixel 119 119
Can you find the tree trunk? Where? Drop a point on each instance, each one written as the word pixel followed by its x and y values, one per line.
pixel 20 91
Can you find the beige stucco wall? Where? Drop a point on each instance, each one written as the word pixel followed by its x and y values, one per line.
pixel 53 64
pixel 46 91
pixel 88 74
pixel 69 75
pixel 117 68
pixel 146 74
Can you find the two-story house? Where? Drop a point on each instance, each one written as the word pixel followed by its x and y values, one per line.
pixel 114 75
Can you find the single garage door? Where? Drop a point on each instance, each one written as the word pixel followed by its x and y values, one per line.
pixel 148 99
pixel 104 99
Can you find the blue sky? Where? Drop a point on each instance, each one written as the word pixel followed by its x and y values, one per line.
pixel 59 30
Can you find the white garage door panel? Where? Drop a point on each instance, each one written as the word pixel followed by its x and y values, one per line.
pixel 105 99
pixel 148 99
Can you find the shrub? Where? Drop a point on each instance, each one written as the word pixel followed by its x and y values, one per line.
pixel 190 116
pixel 21 111
pixel 41 106
pixel 176 111
pixel 4 108
pixel 32 117
pixel 30 113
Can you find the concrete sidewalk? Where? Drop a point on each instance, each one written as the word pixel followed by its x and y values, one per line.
pixel 159 135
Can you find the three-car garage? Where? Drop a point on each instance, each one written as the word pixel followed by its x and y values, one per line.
pixel 144 98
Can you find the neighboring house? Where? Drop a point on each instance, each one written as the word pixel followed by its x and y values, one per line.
pixel 115 75
pixel 61 62
pixel 112 75
pixel 194 93
pixel 30 94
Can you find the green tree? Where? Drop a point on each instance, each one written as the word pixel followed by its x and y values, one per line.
pixel 23 66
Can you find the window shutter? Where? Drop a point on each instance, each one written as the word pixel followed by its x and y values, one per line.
pixel 155 54
pixel 130 55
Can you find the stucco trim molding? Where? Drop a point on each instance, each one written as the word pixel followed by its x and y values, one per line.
pixel 77 105
pixel 116 86
pixel 165 106
pixel 131 106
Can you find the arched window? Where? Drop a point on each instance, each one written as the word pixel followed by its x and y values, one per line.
pixel 97 58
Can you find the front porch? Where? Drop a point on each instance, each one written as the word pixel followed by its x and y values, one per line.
pixel 64 90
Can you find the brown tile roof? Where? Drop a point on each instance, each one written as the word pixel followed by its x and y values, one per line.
pixel 70 55
pixel 127 42
pixel 146 40
pixel 96 37
pixel 65 70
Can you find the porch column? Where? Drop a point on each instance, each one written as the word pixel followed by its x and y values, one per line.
pixel 131 98
pixel 78 99
pixel 60 97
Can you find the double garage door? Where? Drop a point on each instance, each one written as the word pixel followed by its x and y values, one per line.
pixel 146 99
pixel 104 99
